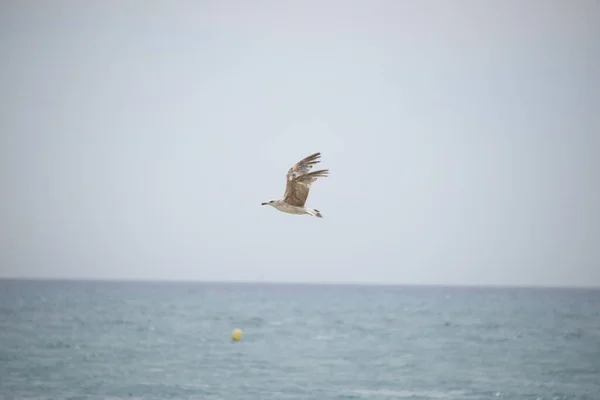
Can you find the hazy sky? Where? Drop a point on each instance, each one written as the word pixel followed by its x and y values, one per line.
pixel 138 140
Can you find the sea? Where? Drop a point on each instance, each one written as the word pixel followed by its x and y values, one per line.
pixel 173 340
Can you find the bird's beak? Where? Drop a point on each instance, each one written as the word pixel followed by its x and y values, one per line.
pixel 263 204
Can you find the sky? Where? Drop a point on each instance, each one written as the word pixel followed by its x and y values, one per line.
pixel 139 139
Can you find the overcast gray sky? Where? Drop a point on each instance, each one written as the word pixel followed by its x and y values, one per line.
pixel 138 140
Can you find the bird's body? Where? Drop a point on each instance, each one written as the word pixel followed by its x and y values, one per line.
pixel 290 209
pixel 299 181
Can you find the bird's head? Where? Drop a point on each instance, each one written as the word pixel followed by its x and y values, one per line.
pixel 268 203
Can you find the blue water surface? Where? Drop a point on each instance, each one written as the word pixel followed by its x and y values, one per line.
pixel 108 340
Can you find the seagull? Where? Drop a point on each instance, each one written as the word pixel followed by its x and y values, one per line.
pixel 297 187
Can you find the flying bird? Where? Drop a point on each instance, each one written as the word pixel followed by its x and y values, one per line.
pixel 299 181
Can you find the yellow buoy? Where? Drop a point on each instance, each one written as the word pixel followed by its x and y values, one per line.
pixel 236 334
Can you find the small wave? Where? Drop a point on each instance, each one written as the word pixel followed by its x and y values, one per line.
pixel 573 335
pixel 5 356
pixel 254 321
pixel 59 344
pixel 145 328
pixel 425 394
pixel 122 322
pixel 130 397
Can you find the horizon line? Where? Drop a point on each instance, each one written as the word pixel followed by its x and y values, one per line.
pixel 299 283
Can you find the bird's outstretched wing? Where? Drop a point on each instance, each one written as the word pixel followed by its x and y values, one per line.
pixel 299 180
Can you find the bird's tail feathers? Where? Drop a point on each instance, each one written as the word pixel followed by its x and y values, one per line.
pixel 315 213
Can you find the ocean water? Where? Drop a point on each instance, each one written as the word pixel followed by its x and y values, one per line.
pixel 109 340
